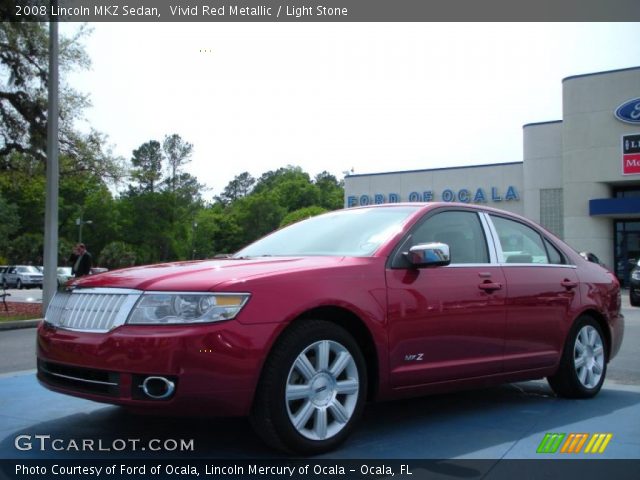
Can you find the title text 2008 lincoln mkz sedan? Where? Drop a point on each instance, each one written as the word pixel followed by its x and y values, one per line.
pixel 301 328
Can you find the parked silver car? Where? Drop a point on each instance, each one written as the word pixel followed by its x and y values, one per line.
pixel 22 276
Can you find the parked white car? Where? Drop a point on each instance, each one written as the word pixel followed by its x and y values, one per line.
pixel 64 275
pixel 22 276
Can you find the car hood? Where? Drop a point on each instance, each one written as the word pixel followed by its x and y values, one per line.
pixel 202 275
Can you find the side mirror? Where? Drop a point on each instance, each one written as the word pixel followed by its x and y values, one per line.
pixel 433 254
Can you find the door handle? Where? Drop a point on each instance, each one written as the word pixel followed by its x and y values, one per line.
pixel 568 284
pixel 489 286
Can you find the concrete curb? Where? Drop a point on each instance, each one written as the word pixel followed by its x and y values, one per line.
pixel 20 324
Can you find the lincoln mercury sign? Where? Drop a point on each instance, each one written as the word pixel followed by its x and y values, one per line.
pixel 464 195
pixel 631 154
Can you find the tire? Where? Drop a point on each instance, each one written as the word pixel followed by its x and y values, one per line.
pixel 315 376
pixel 19 284
pixel 634 300
pixel 583 365
pixel 5 285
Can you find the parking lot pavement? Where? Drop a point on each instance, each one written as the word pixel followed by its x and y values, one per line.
pixel 507 422
pixel 31 295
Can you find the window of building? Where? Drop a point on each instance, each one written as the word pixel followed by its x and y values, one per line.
pixel 626 192
pixel 551 210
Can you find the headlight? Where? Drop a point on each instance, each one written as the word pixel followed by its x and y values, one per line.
pixel 175 308
pixel 635 274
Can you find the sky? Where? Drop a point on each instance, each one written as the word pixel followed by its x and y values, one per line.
pixel 372 97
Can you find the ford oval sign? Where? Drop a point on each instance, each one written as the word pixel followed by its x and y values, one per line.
pixel 629 112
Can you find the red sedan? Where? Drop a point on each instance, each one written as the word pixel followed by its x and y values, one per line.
pixel 301 328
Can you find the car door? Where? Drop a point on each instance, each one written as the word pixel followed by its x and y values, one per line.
pixel 10 276
pixel 541 289
pixel 447 322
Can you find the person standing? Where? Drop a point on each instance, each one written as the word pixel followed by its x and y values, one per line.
pixel 81 261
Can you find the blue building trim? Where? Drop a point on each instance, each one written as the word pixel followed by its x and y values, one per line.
pixel 614 206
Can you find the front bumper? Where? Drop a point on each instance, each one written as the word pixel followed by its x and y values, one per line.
pixel 215 367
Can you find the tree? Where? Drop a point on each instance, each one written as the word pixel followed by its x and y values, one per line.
pixel 178 153
pixel 301 214
pixel 24 76
pixel 257 215
pixel 269 180
pixel 147 163
pixel 237 188
pixel 24 68
pixel 296 192
pixel 331 191
pixel 26 249
pixel 217 232
pixel 9 222
pixel 117 255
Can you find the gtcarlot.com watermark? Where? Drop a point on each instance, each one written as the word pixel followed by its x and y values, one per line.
pixel 44 443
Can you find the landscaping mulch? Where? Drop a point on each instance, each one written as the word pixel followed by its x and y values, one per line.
pixel 23 310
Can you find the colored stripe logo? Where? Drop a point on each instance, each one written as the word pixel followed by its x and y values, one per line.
pixel 574 443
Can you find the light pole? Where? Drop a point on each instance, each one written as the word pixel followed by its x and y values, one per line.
pixel 50 284
pixel 80 222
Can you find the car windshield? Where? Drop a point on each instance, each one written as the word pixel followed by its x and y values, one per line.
pixel 64 270
pixel 28 270
pixel 358 232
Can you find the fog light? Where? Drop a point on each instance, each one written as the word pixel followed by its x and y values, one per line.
pixel 158 388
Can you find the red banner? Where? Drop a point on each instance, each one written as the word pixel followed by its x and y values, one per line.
pixel 631 164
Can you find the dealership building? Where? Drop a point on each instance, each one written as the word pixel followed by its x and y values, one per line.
pixel 579 177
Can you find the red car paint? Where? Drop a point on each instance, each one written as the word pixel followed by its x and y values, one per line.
pixel 465 332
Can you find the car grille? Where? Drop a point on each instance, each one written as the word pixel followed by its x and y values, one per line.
pixel 79 379
pixel 91 310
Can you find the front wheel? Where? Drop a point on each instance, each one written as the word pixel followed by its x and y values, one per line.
pixel 634 299
pixel 312 389
pixel 19 284
pixel 584 361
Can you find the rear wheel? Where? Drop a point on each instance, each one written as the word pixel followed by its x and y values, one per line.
pixel 312 389
pixel 584 361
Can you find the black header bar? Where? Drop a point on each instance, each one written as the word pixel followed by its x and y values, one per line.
pixel 319 10
pixel 319 469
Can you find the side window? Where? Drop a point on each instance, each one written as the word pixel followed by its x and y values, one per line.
pixel 555 256
pixel 462 231
pixel 520 243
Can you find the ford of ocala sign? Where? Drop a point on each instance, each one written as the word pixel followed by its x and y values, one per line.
pixel 629 111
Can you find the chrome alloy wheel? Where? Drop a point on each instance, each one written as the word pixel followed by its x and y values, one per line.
pixel 321 392
pixel 588 356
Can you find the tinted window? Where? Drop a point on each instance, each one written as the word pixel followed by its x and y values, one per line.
pixel 462 231
pixel 520 243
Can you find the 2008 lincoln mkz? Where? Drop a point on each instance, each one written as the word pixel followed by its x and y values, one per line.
pixel 299 329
